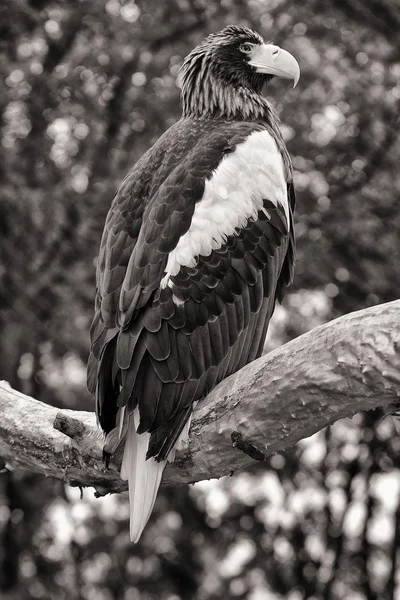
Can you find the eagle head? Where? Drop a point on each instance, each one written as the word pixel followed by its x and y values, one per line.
pixel 224 75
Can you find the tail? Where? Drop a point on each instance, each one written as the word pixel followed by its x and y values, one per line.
pixel 144 476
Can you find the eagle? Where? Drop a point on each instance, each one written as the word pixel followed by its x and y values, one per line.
pixel 198 246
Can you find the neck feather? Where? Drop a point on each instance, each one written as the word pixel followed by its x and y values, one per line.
pixel 205 98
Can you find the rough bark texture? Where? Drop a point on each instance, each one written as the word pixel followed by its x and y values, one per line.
pixel 334 371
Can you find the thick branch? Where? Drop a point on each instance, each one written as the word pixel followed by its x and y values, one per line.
pixel 348 365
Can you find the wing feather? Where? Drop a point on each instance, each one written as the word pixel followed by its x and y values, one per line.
pixel 159 346
pixel 126 345
pixel 185 357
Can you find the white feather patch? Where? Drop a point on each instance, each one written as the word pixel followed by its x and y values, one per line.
pixel 144 476
pixel 233 195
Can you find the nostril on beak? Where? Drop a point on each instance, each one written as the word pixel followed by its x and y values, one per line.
pixel 275 52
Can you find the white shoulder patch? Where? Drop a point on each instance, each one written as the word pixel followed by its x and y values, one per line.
pixel 233 195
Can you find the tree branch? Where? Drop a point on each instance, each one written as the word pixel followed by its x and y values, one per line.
pixel 336 370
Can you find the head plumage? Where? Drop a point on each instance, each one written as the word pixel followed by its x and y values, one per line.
pixel 216 77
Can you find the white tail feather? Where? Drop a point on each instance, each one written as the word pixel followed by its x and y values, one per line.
pixel 144 476
pixel 121 421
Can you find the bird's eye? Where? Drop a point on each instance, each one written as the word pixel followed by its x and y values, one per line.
pixel 246 48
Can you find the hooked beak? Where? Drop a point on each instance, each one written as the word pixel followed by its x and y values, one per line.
pixel 272 60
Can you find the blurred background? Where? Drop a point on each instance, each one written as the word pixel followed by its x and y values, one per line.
pixel 86 88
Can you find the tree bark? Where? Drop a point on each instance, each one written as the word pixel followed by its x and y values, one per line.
pixel 334 371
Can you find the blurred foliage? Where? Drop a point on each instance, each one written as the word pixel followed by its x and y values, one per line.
pixel 86 88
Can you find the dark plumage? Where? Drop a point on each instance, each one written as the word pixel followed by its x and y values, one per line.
pixel 197 246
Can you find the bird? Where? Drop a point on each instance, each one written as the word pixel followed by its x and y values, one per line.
pixel 198 246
